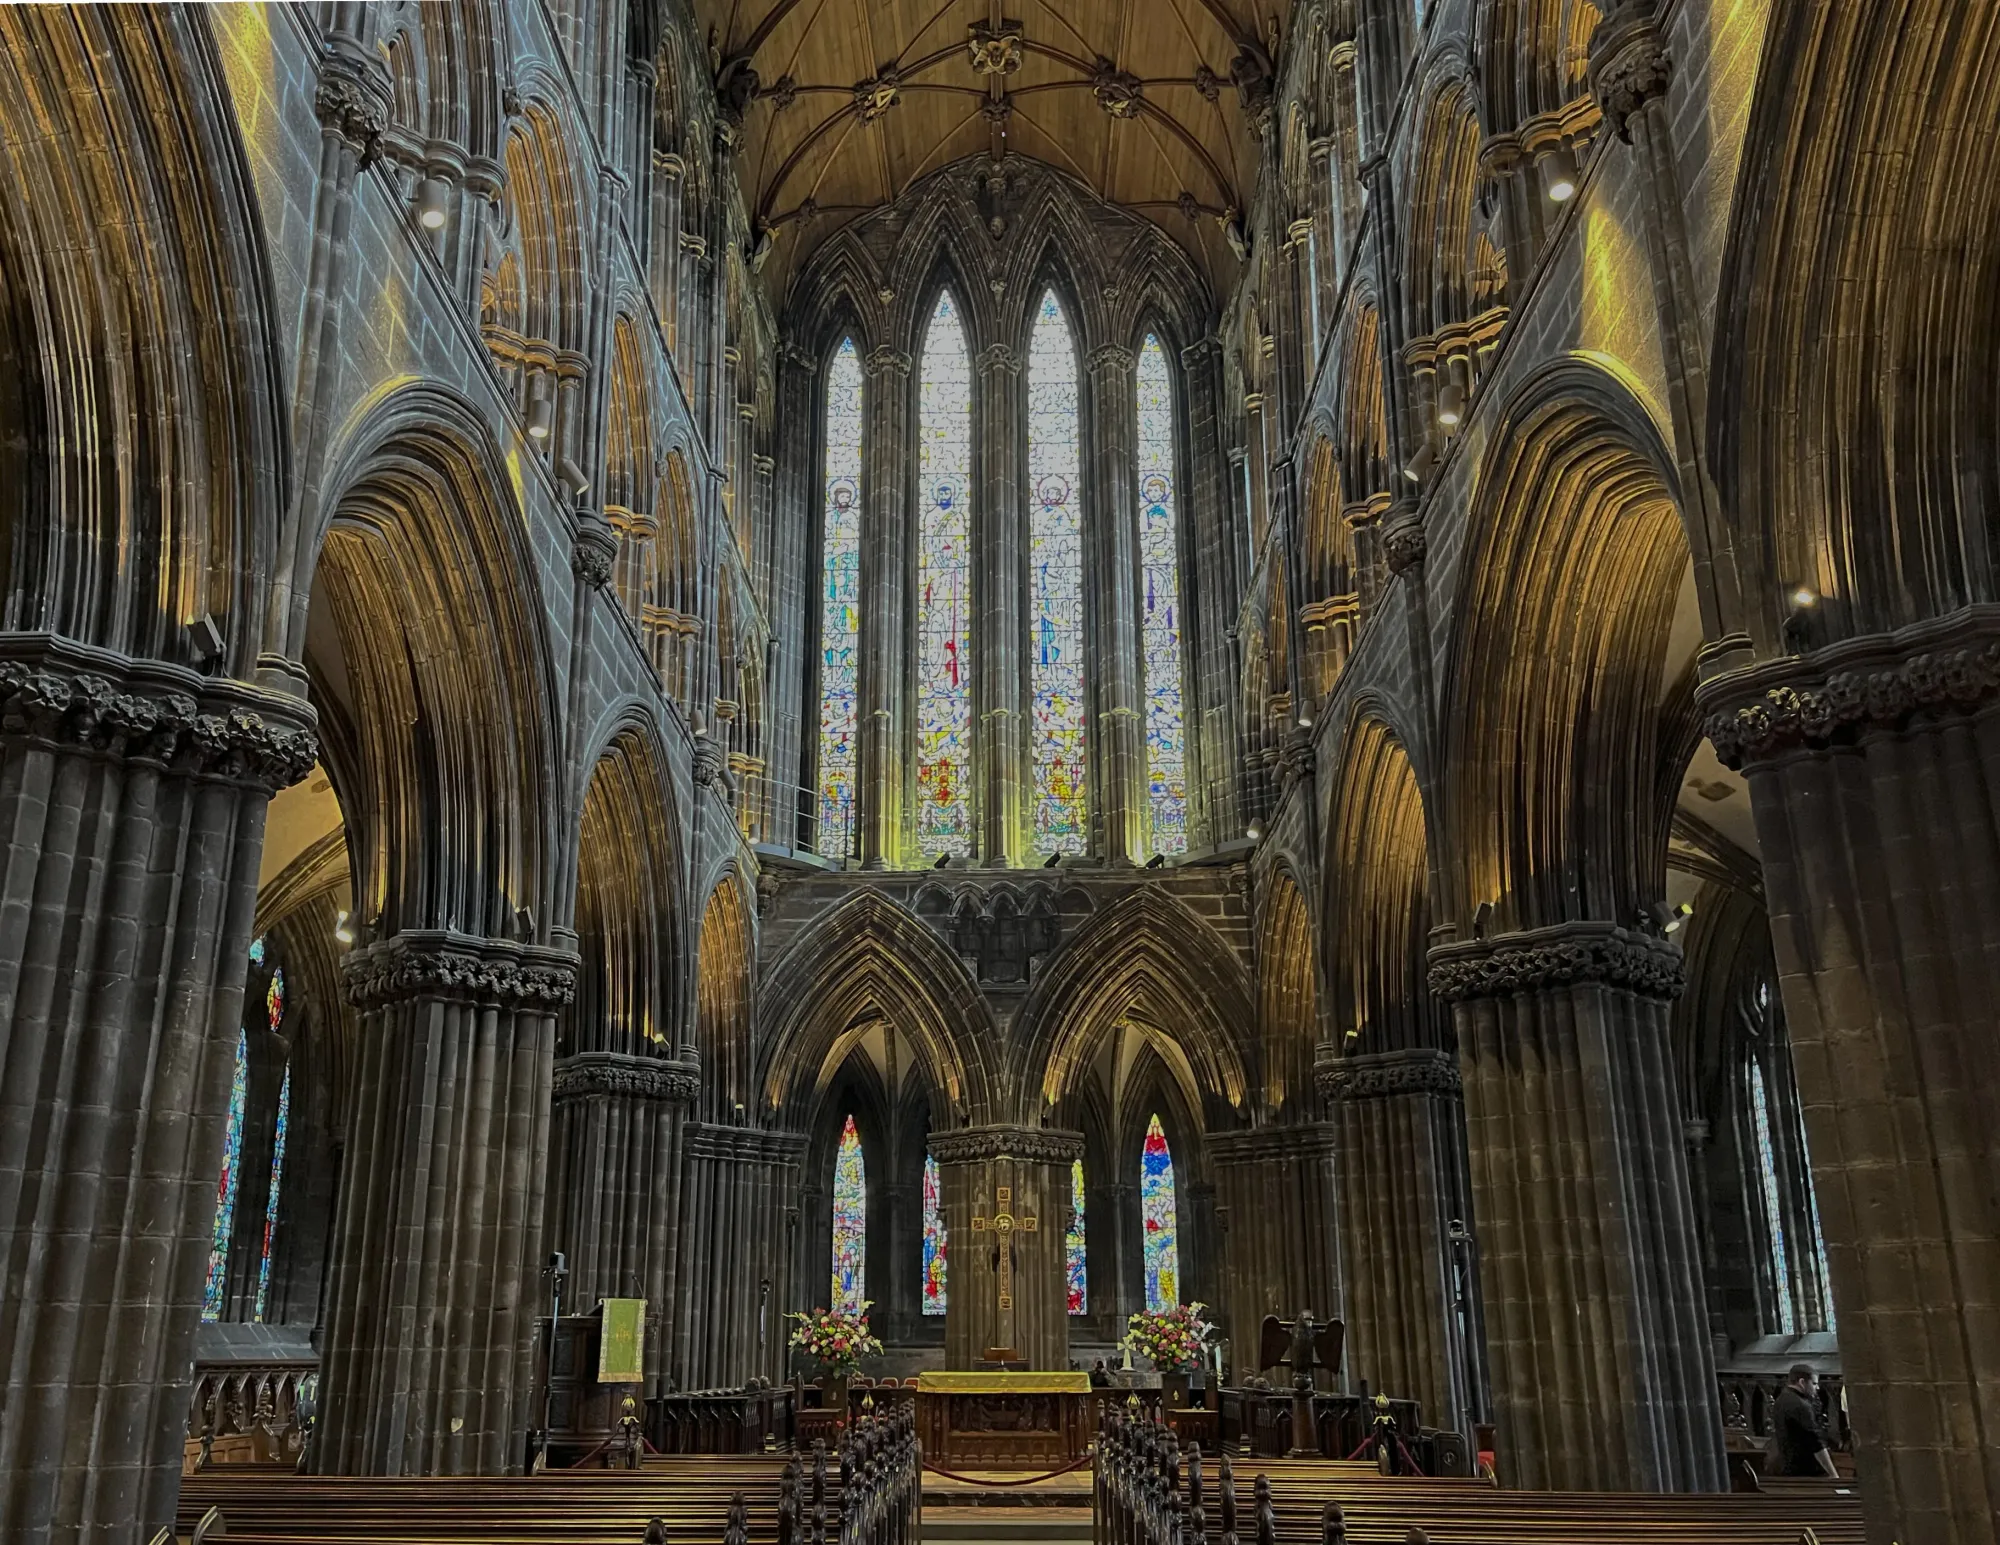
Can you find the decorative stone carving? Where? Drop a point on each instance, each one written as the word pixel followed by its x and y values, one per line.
pixel 783 92
pixel 1629 65
pixel 873 98
pixel 594 552
pixel 1037 1145
pixel 1567 955
pixel 1874 683
pixel 995 50
pixel 164 715
pixel 883 358
pixel 998 356
pixel 1111 356
pixel 1208 83
pixel 605 1072
pixel 1375 1075
pixel 998 111
pixel 1117 91
pixel 352 102
pixel 1250 72
pixel 1404 545
pixel 711 765
pixel 736 86
pixel 436 964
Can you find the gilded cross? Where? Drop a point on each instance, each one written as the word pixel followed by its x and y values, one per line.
pixel 1004 1223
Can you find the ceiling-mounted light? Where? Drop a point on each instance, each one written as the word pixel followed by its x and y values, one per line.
pixel 430 202
pixel 541 410
pixel 1559 174
pixel 341 930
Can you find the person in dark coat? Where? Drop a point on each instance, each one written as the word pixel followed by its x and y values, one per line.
pixel 1798 1436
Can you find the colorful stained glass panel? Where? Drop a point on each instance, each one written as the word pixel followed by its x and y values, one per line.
pixel 934 1240
pixel 1160 616
pixel 944 588
pixel 840 605
pixel 274 999
pixel 850 1223
pixel 278 1134
pixel 215 1291
pixel 1075 1256
pixel 1055 576
pixel 1774 1216
pixel 1158 1210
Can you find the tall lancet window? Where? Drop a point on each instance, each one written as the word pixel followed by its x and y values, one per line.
pixel 934 1240
pixel 1774 1211
pixel 1159 1214
pixel 840 605
pixel 1160 601
pixel 1055 579
pixel 850 1223
pixel 1076 1257
pixel 215 1293
pixel 944 589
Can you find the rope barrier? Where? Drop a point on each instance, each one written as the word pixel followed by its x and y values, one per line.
pixel 1026 1480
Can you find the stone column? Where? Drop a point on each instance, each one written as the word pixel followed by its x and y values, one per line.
pixel 1603 1377
pixel 436 1282
pixel 1211 594
pixel 1347 136
pixel 792 738
pixel 885 523
pixel 615 1166
pixel 687 316
pixel 992 1181
pixel 666 258
pixel 1295 327
pixel 133 795
pixel 1327 234
pixel 1121 813
pixel 738 1235
pixel 1399 1121
pixel 1001 679
pixel 1277 1201
pixel 1874 768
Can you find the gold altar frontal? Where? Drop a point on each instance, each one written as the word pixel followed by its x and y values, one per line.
pixel 1003 1421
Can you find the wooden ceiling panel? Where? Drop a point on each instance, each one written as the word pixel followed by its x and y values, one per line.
pixel 843 104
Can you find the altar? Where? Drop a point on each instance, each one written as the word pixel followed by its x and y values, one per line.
pixel 1004 1421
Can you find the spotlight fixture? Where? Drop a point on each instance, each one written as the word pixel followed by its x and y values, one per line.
pixel 942 860
pixel 1052 860
pixel 1678 916
pixel 430 201
pixel 341 929
pixel 1419 466
pixel 1559 174
pixel 1157 861
pixel 1805 597
pixel 1305 721
pixel 1451 405
pixel 541 410
pixel 1254 832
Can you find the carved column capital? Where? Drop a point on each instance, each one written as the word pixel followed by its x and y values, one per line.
pixel 609 1073
pixel 1404 544
pixel 435 963
pixel 999 357
pixel 1111 356
pixel 594 551
pixel 882 359
pixel 1879 683
pixel 1037 1145
pixel 1629 64
pixel 1377 1075
pixel 74 697
pixel 1565 955
pixel 352 103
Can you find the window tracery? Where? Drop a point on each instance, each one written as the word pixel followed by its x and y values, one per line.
pixel 840 604
pixel 944 570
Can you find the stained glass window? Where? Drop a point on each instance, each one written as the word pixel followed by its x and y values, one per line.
pixel 278 1133
pixel 1075 1258
pixel 257 951
pixel 850 1222
pixel 934 1241
pixel 274 999
pixel 1160 617
pixel 215 1292
pixel 1157 1209
pixel 840 605
pixel 1774 1216
pixel 944 589
pixel 1055 570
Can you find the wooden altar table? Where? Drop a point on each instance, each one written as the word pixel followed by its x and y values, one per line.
pixel 1004 1421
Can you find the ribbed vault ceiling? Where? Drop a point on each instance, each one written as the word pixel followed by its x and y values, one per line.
pixel 845 103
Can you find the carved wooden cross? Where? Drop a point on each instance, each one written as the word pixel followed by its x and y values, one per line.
pixel 1004 1223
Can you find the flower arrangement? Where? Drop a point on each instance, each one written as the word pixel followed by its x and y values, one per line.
pixel 835 1339
pixel 1171 1339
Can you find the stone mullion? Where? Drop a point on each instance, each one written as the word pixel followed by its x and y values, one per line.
pixel 1001 584
pixel 1327 244
pixel 885 476
pixel 663 260
pixel 792 739
pixel 1603 1375
pixel 1347 134
pixel 133 799
pixel 1120 811
pixel 435 1274
pixel 1873 769
pixel 1211 597
pixel 1295 326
